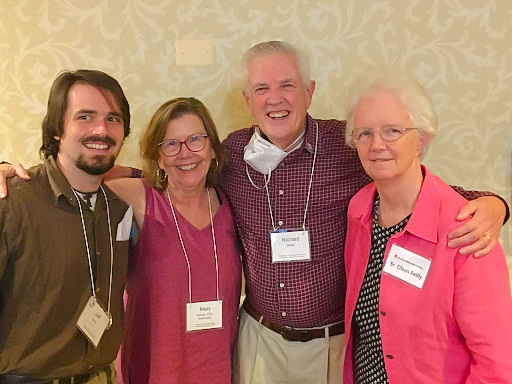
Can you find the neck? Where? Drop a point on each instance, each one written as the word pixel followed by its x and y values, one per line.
pixel 78 179
pixel 286 142
pixel 189 198
pixel 398 197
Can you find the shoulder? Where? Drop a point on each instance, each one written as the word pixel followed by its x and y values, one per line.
pixel 236 141
pixel 19 190
pixel 363 199
pixel 450 202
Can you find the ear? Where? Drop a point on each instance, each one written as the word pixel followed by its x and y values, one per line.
pixel 160 162
pixel 246 98
pixel 423 140
pixel 310 90
pixel 56 138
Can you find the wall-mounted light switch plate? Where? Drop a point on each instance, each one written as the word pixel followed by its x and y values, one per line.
pixel 194 52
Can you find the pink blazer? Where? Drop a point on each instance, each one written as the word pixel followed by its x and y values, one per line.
pixel 458 327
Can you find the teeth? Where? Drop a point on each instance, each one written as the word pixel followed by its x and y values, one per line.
pixel 277 114
pixel 187 167
pixel 97 146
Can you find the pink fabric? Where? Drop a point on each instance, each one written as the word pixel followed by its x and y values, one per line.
pixel 157 348
pixel 458 327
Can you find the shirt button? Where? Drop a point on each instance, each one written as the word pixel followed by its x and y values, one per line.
pixel 281 285
pixel 280 222
pixel 390 357
pixel 283 314
pixel 98 253
pixel 97 289
pixel 281 191
pixel 383 313
pixel 91 366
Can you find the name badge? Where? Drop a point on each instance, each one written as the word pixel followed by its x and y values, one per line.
pixel 407 266
pixel 204 315
pixel 93 321
pixel 290 246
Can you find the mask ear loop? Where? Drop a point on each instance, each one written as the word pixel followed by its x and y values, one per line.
pixel 252 182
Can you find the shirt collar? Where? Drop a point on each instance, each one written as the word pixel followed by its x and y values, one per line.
pixel 309 138
pixel 60 185
pixel 424 219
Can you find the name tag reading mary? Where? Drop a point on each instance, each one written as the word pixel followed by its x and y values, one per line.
pixel 290 246
pixel 204 315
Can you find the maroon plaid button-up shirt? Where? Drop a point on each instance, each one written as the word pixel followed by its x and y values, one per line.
pixel 297 294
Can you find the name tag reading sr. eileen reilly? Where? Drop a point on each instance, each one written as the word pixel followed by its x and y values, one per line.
pixel 407 266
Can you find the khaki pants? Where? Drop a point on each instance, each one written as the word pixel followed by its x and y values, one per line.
pixel 262 356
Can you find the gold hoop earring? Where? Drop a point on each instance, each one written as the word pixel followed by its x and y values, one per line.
pixel 216 165
pixel 161 175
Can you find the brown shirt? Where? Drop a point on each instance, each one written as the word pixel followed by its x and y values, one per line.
pixel 44 276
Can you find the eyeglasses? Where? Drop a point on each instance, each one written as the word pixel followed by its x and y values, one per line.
pixel 172 147
pixel 388 134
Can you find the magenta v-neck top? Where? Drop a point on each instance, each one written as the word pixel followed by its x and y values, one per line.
pixel 156 347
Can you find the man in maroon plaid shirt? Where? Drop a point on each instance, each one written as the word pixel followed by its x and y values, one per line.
pixel 290 178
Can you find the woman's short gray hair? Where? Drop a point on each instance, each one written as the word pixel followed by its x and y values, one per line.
pixel 275 47
pixel 406 88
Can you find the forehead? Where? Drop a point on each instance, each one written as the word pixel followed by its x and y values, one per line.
pixel 184 126
pixel 85 96
pixel 383 106
pixel 273 67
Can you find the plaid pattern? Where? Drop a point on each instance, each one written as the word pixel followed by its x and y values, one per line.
pixel 297 294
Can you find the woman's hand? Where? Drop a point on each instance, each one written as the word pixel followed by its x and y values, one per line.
pixel 10 170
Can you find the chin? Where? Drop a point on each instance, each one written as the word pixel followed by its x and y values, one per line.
pixel 97 166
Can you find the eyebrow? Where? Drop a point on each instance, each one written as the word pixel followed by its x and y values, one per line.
pixel 94 112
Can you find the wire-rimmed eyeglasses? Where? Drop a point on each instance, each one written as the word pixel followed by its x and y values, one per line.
pixel 388 133
pixel 172 147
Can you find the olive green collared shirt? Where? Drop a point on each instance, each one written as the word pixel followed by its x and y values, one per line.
pixel 45 280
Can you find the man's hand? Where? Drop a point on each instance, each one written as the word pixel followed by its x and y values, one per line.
pixel 10 170
pixel 481 233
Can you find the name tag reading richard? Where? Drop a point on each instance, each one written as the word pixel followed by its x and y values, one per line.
pixel 93 321
pixel 290 246
pixel 204 315
pixel 407 266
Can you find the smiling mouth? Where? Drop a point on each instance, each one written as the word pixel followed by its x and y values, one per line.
pixel 188 167
pixel 102 146
pixel 278 115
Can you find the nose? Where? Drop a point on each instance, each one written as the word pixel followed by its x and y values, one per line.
pixel 377 143
pixel 185 153
pixel 274 97
pixel 100 128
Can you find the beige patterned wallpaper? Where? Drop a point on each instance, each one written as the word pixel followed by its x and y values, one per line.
pixel 459 49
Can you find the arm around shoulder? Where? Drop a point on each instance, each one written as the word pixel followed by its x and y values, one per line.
pixel 131 191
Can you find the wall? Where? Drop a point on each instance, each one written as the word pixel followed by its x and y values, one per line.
pixel 459 49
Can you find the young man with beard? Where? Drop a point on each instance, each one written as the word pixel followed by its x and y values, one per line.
pixel 64 242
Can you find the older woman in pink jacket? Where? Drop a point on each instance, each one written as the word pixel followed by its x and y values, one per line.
pixel 416 311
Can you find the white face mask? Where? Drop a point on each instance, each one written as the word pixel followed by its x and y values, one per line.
pixel 264 156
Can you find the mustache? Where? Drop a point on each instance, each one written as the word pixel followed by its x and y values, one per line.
pixel 99 139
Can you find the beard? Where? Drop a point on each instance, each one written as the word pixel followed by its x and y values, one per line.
pixel 98 165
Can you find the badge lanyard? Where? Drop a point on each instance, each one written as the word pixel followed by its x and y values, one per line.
pixel 309 189
pixel 209 326
pixel 109 314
